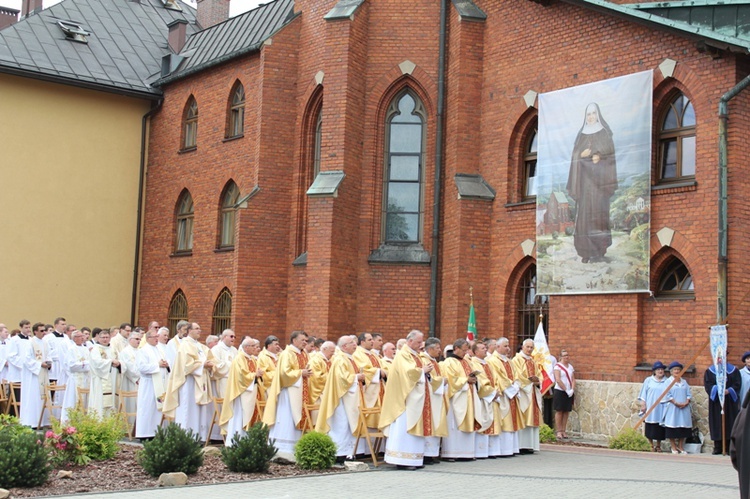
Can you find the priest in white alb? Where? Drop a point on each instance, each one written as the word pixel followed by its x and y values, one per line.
pixel 240 410
pixel 34 381
pixel 437 385
pixel 406 405
pixel 153 368
pixel 188 396
pixel 104 376
pixel 130 374
pixel 78 367
pixel 339 404
pixel 287 394
pixel 528 376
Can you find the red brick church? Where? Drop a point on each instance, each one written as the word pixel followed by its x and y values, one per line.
pixel 358 165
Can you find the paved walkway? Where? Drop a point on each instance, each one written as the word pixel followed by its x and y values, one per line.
pixel 556 471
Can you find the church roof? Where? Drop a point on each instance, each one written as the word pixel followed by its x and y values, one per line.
pixel 722 24
pixel 232 38
pixel 113 45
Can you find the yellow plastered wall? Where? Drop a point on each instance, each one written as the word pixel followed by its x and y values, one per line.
pixel 69 169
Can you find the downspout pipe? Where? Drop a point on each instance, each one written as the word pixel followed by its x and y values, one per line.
pixel 438 167
pixel 721 305
pixel 139 217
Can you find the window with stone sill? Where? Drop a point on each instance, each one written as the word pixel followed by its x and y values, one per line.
pixel 184 224
pixel 227 215
pixel 676 281
pixel 677 141
pixel 404 170
pixel 236 121
pixel 190 127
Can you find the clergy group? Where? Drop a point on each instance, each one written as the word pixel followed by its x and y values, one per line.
pixel 413 403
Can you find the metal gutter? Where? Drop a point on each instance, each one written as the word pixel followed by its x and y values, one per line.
pixel 721 294
pixel 154 95
pixel 438 168
pixel 139 216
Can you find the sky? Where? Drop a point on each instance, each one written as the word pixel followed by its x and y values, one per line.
pixel 235 7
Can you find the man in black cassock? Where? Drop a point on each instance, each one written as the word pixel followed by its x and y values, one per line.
pixel 731 403
pixel 740 449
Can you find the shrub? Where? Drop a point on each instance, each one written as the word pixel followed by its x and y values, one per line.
pixel 24 461
pixel 315 451
pixel 546 434
pixel 172 449
pixel 252 453
pixel 629 439
pixel 12 425
pixel 64 445
pixel 98 437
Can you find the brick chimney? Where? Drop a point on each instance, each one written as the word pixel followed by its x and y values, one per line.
pixel 8 16
pixel 177 34
pixel 212 12
pixel 30 7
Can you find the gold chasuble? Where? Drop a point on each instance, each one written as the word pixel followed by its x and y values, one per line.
pixel 190 357
pixel 509 414
pixel 530 396
pixel 268 362
pixel 439 408
pixel 487 381
pixel 320 367
pixel 242 374
pixel 369 366
pixel 463 402
pixel 290 365
pixel 337 391
pixel 404 393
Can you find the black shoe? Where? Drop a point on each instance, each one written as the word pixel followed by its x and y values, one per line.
pixel 406 468
pixel 429 460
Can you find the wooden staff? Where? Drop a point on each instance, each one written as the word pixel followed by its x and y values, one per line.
pixel 674 380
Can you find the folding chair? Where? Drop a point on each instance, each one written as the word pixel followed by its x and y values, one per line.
pixel 81 405
pixel 122 408
pixel 48 403
pixel 373 436
pixel 4 400
pixel 308 410
pixel 15 387
pixel 218 402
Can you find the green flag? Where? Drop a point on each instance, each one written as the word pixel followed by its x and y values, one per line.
pixel 471 329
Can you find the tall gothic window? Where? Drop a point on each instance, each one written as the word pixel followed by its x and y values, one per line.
pixel 190 135
pixel 227 215
pixel 222 316
pixel 184 223
pixel 530 305
pixel 236 126
pixel 178 311
pixel 405 138
pixel 677 140
pixel 529 166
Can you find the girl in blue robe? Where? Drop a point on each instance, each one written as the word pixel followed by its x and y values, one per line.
pixel 652 388
pixel 678 420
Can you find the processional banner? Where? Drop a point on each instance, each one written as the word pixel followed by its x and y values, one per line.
pixel 719 355
pixel 593 187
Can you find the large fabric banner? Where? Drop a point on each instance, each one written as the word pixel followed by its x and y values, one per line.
pixel 719 355
pixel 593 187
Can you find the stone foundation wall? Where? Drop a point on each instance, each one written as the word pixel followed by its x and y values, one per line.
pixel 603 408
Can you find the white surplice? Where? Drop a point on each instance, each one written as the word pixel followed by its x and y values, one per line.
pixel 77 367
pixel 153 378
pixel 102 399
pixel 34 379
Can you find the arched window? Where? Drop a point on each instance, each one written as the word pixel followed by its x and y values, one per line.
pixel 405 138
pixel 184 223
pixel 317 143
pixel 222 316
pixel 529 166
pixel 227 215
pixel 236 123
pixel 309 168
pixel 677 140
pixel 190 136
pixel 530 305
pixel 676 282
pixel 178 311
